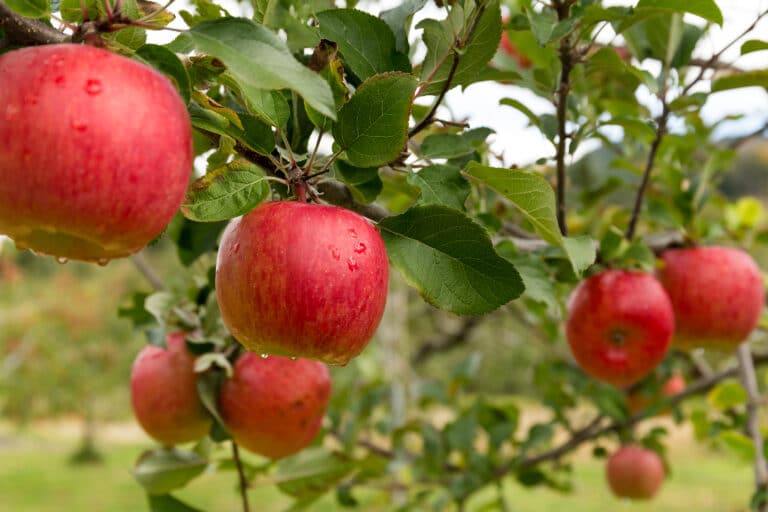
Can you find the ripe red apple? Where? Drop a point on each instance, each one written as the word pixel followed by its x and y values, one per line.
pixel 510 49
pixel 640 400
pixel 717 293
pixel 634 472
pixel 164 393
pixel 95 151
pixel 619 325
pixel 302 280
pixel 274 406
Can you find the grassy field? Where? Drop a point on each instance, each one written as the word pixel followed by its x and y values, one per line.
pixel 36 477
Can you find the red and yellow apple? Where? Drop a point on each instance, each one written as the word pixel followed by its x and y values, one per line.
pixel 274 406
pixel 164 393
pixel 619 325
pixel 717 294
pixel 302 280
pixel 634 472
pixel 640 400
pixel 95 151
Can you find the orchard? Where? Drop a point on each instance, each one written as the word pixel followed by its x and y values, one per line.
pixel 364 289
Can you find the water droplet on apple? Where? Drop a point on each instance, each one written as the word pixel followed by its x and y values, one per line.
pixel 61 260
pixel 93 86
pixel 352 264
pixel 264 356
pixel 78 125
pixel 360 248
pixel 236 247
pixel 293 358
pixel 352 232
pixel 102 262
pixel 59 80
pixel 335 252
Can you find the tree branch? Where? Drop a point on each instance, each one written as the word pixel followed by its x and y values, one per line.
pixel 749 381
pixel 25 31
pixel 243 482
pixel 447 341
pixel 146 269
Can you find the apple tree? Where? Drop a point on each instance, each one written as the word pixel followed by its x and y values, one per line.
pixel 302 113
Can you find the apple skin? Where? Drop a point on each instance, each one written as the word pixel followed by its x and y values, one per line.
pixel 274 406
pixel 95 151
pixel 640 400
pixel 717 293
pixel 634 472
pixel 619 325
pixel 302 280
pixel 510 49
pixel 164 393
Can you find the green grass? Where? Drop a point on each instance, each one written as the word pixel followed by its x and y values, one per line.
pixel 36 477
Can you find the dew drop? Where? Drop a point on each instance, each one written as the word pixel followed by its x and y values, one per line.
pixel 236 247
pixel 61 260
pixel 293 358
pixel 102 262
pixel 360 248
pixel 78 125
pixel 352 232
pixel 352 264
pixel 59 80
pixel 93 86
pixel 264 356
pixel 335 252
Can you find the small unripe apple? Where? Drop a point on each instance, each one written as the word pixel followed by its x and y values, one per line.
pixel 634 472
pixel 717 293
pixel 640 400
pixel 164 393
pixel 95 151
pixel 619 325
pixel 302 280
pixel 274 406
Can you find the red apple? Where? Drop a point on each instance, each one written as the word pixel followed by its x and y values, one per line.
pixel 95 151
pixel 640 400
pixel 164 393
pixel 619 325
pixel 634 472
pixel 506 46
pixel 274 406
pixel 717 293
pixel 302 280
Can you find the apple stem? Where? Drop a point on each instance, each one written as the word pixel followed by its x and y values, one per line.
pixel 241 475
pixel 749 381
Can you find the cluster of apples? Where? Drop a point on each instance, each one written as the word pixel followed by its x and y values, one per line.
pixel 95 158
pixel 621 324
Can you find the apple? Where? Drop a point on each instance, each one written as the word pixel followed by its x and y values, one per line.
pixel 506 46
pixel 634 472
pixel 164 393
pixel 717 293
pixel 619 325
pixel 95 152
pixel 274 406
pixel 302 280
pixel 640 400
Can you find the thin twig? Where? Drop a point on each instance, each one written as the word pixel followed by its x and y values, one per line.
pixel 241 475
pixel 566 64
pixel 447 85
pixel 25 31
pixel 147 270
pixel 446 341
pixel 749 381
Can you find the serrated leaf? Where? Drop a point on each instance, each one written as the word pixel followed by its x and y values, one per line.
pixel 758 78
pixel 528 191
pixel 311 472
pixel 753 45
pixel 450 260
pixel 164 470
pixel 441 184
pixel 227 192
pixel 510 102
pixel 539 284
pixel 167 503
pixel 726 395
pixel 30 8
pixel 445 145
pixel 366 43
pixel 258 59
pixel 373 126
pixel 399 21
pixel 165 61
pixel 706 9
pixel 478 50
pixel 581 252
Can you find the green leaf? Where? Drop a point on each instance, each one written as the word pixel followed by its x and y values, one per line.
pixel 450 260
pixel 258 59
pixel 706 9
pixel 167 503
pixel 30 8
pixel 165 61
pixel 227 192
pixel 739 444
pixel 539 284
pixel 753 45
pixel 510 102
pixel 542 24
pixel 193 239
pixel 373 126
pixel 528 191
pixel 758 78
pixel 399 21
pixel 366 42
pixel 445 145
pixel 478 50
pixel 581 252
pixel 364 182
pixel 726 395
pixel 311 472
pixel 163 470
pixel 635 127
pixel 441 184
